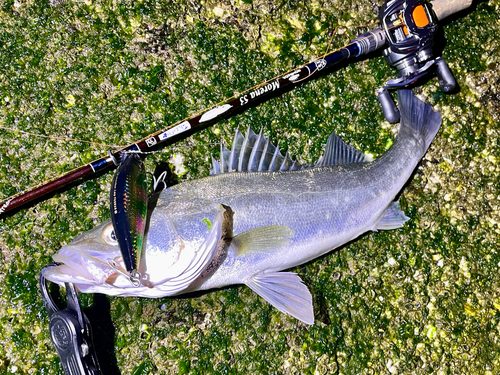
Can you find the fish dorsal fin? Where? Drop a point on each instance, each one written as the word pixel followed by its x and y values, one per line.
pixel 225 155
pixel 235 151
pixel 267 156
pixel 337 152
pixel 286 292
pixel 287 163
pixel 215 167
pixel 276 161
pixel 252 153
pixel 256 154
pixel 246 150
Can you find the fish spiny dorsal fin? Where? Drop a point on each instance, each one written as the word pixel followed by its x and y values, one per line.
pixel 253 153
pixel 235 151
pixel 287 163
pixel 295 166
pixel 337 152
pixel 225 154
pixel 267 156
pixel 216 167
pixel 246 150
pixel 276 161
pixel 256 154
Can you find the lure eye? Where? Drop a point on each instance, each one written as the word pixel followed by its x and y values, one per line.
pixel 108 235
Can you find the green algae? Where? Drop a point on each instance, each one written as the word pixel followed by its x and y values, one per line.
pixel 422 299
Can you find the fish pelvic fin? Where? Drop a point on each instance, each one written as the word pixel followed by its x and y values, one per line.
pixel 261 239
pixel 418 116
pixel 393 218
pixel 286 292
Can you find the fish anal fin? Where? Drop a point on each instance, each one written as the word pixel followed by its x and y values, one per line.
pixel 393 218
pixel 261 239
pixel 286 292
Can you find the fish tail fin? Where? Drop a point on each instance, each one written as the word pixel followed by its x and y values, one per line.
pixel 418 116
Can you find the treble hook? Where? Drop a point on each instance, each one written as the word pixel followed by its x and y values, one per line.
pixel 134 276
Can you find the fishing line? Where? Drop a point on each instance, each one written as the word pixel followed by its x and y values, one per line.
pixel 117 147
pixel 191 122
pixel 58 138
pixel 238 94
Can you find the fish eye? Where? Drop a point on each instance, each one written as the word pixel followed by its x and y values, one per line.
pixel 108 235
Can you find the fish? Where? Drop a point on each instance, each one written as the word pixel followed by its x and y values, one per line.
pixel 257 215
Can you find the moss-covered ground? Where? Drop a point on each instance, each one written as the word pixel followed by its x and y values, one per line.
pixel 424 299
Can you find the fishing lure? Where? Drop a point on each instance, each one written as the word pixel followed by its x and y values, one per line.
pixel 128 207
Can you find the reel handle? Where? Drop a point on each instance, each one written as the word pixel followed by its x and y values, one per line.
pixel 390 109
pixel 445 78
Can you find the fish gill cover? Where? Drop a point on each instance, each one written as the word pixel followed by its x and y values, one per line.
pixel 421 299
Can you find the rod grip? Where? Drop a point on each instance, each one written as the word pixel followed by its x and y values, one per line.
pixel 445 8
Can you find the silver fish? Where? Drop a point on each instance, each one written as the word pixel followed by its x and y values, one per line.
pixel 258 214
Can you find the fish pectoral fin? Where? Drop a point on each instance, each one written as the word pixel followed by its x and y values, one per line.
pixel 261 239
pixel 393 218
pixel 286 292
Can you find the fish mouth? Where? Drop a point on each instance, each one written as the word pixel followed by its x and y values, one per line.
pixel 72 265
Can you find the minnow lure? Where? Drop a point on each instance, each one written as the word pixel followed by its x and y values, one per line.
pixel 128 207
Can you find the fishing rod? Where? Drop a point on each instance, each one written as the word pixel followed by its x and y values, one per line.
pixel 163 138
pixel 406 35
